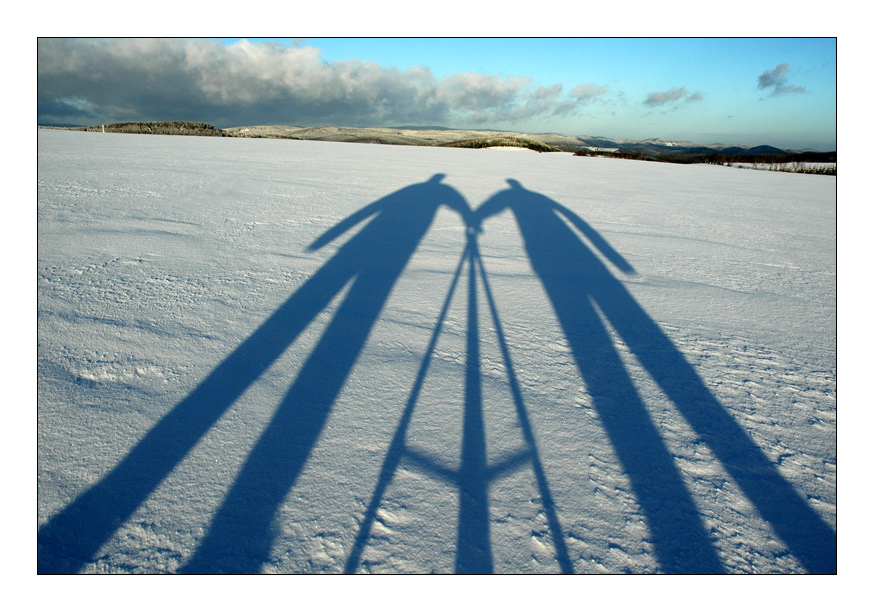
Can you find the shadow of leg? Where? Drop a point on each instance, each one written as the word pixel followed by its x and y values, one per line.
pixel 70 539
pixel 809 538
pixel 240 537
pixel 679 539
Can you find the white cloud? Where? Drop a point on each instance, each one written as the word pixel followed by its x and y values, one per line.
pixel 247 83
pixel 777 80
pixel 588 92
pixel 672 95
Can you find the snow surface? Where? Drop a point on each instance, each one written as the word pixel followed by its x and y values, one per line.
pixel 303 357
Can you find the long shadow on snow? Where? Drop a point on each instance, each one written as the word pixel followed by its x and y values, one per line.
pixel 475 474
pixel 577 282
pixel 239 538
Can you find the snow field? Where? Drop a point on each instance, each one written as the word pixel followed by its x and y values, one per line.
pixel 159 256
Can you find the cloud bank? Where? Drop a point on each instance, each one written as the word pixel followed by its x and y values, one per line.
pixel 84 82
pixel 777 80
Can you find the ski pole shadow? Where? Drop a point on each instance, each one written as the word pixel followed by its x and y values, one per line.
pixel 239 537
pixel 475 473
pixel 577 284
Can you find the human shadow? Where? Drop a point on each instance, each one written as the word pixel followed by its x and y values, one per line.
pixel 578 283
pixel 239 537
pixel 475 474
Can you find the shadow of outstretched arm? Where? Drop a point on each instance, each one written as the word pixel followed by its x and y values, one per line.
pixel 345 225
pixel 492 207
pixel 596 239
pixel 456 202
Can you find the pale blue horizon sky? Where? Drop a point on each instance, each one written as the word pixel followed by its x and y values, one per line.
pixel 747 91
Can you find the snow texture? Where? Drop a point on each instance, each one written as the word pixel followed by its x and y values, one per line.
pixel 309 357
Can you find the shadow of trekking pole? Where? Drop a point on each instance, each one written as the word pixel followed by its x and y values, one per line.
pixel 474 475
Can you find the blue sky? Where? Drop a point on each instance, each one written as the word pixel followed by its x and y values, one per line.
pixel 780 92
pixel 726 71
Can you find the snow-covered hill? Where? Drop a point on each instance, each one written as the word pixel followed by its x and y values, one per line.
pixel 309 357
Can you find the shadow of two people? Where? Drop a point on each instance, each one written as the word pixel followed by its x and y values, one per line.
pixel 240 536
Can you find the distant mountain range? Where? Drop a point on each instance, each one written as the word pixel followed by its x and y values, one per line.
pixel 651 148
